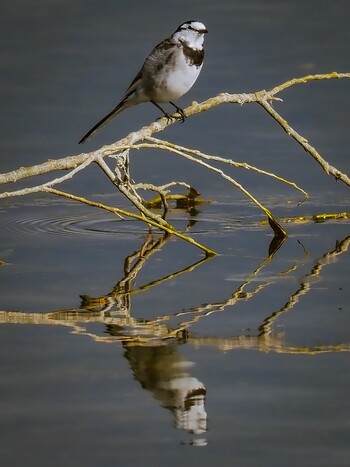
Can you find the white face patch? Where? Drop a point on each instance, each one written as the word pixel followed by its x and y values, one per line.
pixel 198 26
pixel 194 26
pixel 191 33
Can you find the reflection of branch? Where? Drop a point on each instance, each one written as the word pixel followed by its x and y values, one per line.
pixel 264 344
pixel 267 340
pixel 132 266
pixel 114 311
pixel 238 295
pixel 305 285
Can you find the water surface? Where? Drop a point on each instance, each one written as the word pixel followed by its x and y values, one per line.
pixel 118 346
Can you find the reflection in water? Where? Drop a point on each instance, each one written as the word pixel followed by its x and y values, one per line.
pixel 306 284
pixel 163 371
pixel 152 346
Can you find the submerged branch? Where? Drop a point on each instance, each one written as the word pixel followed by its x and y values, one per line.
pixel 122 212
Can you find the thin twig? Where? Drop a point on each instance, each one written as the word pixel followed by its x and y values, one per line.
pixel 329 169
pixel 220 172
pixel 241 165
pixel 122 212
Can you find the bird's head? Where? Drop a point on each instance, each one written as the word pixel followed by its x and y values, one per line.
pixel 192 32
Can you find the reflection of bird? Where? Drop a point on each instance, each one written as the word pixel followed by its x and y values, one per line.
pixel 166 374
pixel 168 72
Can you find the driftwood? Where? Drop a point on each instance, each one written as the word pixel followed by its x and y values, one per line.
pixel 143 138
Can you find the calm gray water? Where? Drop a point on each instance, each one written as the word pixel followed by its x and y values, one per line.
pixel 120 347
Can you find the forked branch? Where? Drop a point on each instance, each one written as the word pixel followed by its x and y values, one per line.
pixel 143 138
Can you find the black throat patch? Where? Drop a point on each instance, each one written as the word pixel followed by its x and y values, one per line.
pixel 193 56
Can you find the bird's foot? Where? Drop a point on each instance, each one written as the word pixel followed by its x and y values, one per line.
pixel 182 114
pixel 179 111
pixel 169 118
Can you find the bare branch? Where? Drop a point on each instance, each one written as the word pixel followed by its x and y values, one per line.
pixel 224 160
pixel 329 169
pixel 71 162
pixel 120 151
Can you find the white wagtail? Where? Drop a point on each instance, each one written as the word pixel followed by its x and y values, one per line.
pixel 168 72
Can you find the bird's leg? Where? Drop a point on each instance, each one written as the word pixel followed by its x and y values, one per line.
pixel 169 117
pixel 180 111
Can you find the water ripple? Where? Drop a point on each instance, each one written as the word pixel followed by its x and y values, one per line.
pixel 68 225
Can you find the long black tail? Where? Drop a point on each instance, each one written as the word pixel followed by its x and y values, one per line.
pixel 117 110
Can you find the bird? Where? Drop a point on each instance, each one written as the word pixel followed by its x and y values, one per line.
pixel 168 72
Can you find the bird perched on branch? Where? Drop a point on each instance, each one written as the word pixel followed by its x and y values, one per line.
pixel 169 71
